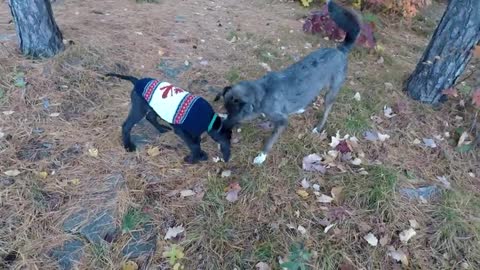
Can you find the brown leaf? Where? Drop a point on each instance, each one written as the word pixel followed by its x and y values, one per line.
pixel 451 92
pixel 337 194
pixel 476 51
pixel 232 191
pixel 476 97
pixel 347 265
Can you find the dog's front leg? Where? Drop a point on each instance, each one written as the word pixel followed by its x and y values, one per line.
pixel 193 143
pixel 279 126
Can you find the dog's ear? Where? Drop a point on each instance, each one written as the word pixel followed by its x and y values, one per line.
pixel 222 94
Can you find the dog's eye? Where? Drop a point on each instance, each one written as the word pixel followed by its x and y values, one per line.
pixel 236 100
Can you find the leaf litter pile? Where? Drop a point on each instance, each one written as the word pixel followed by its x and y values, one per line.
pixel 391 183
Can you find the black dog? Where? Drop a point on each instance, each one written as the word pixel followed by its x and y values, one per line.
pixel 189 116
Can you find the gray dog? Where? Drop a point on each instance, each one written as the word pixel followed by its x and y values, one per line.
pixel 280 94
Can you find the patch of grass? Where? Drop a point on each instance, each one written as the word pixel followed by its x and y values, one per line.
pixel 232 35
pixel 132 218
pixel 456 233
pixel 375 191
pixel 100 255
pixel 233 75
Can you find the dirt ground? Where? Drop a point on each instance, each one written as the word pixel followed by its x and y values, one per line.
pixel 62 133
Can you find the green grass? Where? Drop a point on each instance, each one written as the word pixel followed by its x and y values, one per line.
pixel 233 75
pixel 132 218
pixel 456 233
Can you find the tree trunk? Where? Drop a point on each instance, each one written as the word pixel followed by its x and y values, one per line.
pixel 448 52
pixel 37 32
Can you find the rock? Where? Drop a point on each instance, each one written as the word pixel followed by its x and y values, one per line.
pixel 97 229
pixel 68 254
pixel 142 242
pixel 426 193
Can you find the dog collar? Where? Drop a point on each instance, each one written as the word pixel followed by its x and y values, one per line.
pixel 212 122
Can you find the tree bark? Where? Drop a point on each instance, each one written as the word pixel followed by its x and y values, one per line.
pixel 37 31
pixel 448 53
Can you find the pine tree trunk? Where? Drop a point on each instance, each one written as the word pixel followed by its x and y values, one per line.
pixel 38 34
pixel 448 52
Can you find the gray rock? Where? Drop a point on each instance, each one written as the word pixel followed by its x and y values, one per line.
pixel 427 193
pixel 68 254
pixel 97 229
pixel 141 243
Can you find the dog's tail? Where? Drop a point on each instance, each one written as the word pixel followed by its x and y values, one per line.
pixel 123 77
pixel 348 21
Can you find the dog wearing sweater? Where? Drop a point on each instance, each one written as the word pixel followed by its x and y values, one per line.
pixel 280 94
pixel 189 116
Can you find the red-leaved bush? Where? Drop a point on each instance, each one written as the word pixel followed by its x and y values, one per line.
pixel 320 22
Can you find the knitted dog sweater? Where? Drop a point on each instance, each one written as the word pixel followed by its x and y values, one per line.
pixel 176 106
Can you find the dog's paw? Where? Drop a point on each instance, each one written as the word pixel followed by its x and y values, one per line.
pixel 190 159
pixel 260 159
pixel 130 147
pixel 203 156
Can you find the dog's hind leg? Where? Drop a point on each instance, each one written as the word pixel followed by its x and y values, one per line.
pixel 136 114
pixel 330 97
pixel 279 126
pixel 152 118
pixel 193 143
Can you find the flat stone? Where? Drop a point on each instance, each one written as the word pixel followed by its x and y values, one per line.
pixel 97 229
pixel 68 254
pixel 142 242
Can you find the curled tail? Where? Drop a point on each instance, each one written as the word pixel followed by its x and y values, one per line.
pixel 123 77
pixel 348 21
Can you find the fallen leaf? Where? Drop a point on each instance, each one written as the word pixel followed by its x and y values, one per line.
pixel 335 140
pixel 462 138
pixel 313 163
pixel 324 199
pixel 54 114
pixel 398 255
pixel 429 143
pixel 1 134
pixel 93 152
pixel 476 51
pixel 302 193
pixel 43 175
pixel 347 265
pixel 130 265
pixel 444 181
pixel 75 182
pixel 364 227
pixel 266 66
pixel 328 228
pixel 262 266
pixel 305 183
pixel 337 194
pixel 417 142
pixel 476 97
pixel 12 172
pixel 316 187
pixel 356 162
pixel 371 136
pixel 357 97
pixel 371 239
pixel 187 193
pixel 451 92
pixel 383 137
pixel 226 173
pixel 413 223
pixel 388 112
pixel 407 234
pixel 384 240
pixel 173 232
pixel 8 112
pixel 302 229
pixel 232 192
pixel 153 151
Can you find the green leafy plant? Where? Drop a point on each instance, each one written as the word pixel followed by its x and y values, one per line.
pixel 298 258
